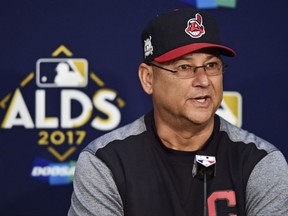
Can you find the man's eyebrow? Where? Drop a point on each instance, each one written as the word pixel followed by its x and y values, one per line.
pixel 190 57
pixel 212 56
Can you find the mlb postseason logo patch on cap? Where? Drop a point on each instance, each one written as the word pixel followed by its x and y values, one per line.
pixel 195 27
pixel 148 48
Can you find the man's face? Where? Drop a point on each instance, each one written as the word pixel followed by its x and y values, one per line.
pixel 187 100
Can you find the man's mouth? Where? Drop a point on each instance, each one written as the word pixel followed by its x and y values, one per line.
pixel 200 100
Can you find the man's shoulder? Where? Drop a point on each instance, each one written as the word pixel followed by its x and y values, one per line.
pixel 132 129
pixel 237 134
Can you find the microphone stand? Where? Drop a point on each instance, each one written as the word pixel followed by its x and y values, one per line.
pixel 205 193
pixel 204 165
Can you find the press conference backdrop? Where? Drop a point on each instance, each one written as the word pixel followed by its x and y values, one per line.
pixel 47 115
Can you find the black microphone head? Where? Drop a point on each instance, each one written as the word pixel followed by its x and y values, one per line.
pixel 204 165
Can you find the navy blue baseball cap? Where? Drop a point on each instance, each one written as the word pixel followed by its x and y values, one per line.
pixel 173 34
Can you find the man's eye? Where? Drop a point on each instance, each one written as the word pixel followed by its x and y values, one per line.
pixel 212 65
pixel 184 67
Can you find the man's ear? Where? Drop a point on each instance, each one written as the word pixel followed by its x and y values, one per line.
pixel 145 74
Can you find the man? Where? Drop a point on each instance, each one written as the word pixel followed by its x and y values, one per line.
pixel 181 159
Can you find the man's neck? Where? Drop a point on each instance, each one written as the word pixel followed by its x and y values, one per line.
pixel 187 138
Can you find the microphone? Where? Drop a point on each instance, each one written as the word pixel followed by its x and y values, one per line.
pixel 204 167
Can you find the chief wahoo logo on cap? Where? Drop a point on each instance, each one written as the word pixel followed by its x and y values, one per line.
pixel 195 27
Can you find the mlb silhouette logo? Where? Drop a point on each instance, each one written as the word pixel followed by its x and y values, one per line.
pixel 205 160
pixel 57 73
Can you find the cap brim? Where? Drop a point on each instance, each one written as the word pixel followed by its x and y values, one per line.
pixel 180 51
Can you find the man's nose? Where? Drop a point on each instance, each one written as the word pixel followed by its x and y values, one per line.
pixel 201 79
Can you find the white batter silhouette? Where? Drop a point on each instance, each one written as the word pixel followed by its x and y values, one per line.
pixel 65 77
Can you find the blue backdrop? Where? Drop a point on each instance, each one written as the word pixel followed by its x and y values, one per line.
pixel 45 126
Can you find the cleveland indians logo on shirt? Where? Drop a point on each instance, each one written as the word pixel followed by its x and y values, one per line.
pixel 195 27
